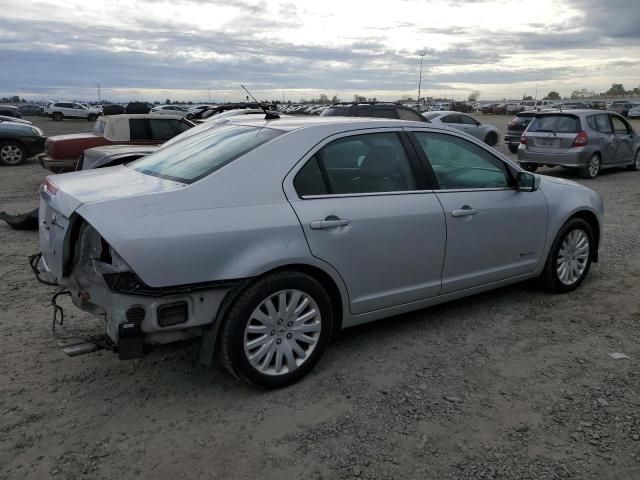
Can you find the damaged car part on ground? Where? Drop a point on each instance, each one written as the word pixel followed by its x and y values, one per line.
pixel 265 237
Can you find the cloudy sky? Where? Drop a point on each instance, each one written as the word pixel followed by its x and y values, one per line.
pixel 190 49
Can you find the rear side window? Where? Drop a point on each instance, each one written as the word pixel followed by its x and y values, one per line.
pixel 166 129
pixel 452 119
pixel 200 155
pixel 431 116
pixel 406 114
pixel 369 163
pixel 555 123
pixel 138 129
pixel 386 112
pixel 98 127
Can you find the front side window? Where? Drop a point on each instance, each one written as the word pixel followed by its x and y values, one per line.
pixel 369 163
pixel 467 120
pixel 459 164
pixel 200 155
pixel 385 112
pixel 619 126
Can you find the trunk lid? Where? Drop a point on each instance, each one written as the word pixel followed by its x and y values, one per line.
pixel 61 195
pixel 71 146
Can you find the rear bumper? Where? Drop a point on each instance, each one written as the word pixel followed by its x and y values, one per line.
pixel 57 165
pixel 574 158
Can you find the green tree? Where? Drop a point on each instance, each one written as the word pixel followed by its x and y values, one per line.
pixel 335 99
pixel 553 96
pixel 474 96
pixel 359 98
pixel 616 89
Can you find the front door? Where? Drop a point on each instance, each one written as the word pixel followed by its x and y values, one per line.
pixel 365 209
pixel 624 139
pixel 494 232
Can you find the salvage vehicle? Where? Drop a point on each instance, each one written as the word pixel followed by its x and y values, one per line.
pixel 482 131
pixel 19 141
pixel 112 155
pixel 62 152
pixel 61 110
pixel 373 109
pixel 586 140
pixel 264 238
pixel 10 111
pixel 31 109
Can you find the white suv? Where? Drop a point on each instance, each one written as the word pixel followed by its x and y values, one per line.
pixel 60 110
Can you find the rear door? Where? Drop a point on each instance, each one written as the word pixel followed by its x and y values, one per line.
pixel 623 139
pixel 494 231
pixel 366 209
pixel 601 123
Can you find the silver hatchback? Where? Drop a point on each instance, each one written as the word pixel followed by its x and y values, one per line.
pixel 588 140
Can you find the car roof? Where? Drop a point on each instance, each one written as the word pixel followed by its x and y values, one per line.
pixel 350 123
pixel 126 116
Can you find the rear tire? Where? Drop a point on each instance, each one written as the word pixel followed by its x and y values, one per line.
pixel 12 154
pixel 491 139
pixel 636 162
pixel 57 116
pixel 562 250
pixel 91 117
pixel 592 169
pixel 270 312
pixel 513 148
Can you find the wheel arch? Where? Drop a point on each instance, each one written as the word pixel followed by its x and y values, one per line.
pixel 336 295
pixel 593 222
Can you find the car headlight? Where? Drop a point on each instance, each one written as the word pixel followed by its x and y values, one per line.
pixel 37 131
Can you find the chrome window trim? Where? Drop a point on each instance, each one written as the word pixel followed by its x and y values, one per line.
pixel 367 194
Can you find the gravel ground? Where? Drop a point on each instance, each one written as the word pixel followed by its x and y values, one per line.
pixel 512 384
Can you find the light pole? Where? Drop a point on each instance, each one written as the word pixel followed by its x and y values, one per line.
pixel 537 81
pixel 420 80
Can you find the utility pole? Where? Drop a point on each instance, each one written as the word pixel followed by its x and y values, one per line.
pixel 99 94
pixel 209 95
pixel 420 80
pixel 537 81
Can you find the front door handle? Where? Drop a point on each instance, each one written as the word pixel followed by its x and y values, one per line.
pixel 465 211
pixel 328 223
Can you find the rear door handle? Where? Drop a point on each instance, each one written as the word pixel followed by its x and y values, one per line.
pixel 324 224
pixel 464 212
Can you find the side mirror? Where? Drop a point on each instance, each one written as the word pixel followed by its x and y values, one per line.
pixel 527 182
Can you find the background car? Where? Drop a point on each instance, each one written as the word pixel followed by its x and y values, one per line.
pixel 112 155
pixel 586 140
pixel 31 109
pixel 184 242
pixel 499 109
pixel 16 120
pixel 634 112
pixel 482 131
pixel 169 110
pixel 10 111
pixel 372 109
pixel 62 152
pixel 488 108
pixel 60 110
pixel 18 142
pixel 515 127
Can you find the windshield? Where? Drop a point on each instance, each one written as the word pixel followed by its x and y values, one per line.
pixel 199 155
pixel 431 116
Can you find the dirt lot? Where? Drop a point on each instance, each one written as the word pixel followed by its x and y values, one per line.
pixel 513 384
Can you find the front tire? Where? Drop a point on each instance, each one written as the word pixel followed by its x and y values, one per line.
pixel 636 162
pixel 57 116
pixel 276 330
pixel 513 148
pixel 12 154
pixel 91 117
pixel 569 258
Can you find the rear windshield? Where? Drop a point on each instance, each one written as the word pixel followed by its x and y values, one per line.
pixel 196 157
pixel 337 111
pixel 555 124
pixel 431 116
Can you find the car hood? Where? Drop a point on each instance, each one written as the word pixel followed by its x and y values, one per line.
pixel 88 186
pixel 559 181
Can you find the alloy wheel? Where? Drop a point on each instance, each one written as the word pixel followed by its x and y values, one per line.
pixel 594 166
pixel 11 155
pixel 282 332
pixel 573 257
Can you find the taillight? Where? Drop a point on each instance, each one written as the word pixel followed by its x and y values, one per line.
pixel 50 187
pixel 523 139
pixel 581 139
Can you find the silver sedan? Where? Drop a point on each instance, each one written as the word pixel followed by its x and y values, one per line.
pixel 265 238
pixel 482 131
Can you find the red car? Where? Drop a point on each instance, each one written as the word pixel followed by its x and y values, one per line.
pixel 63 151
